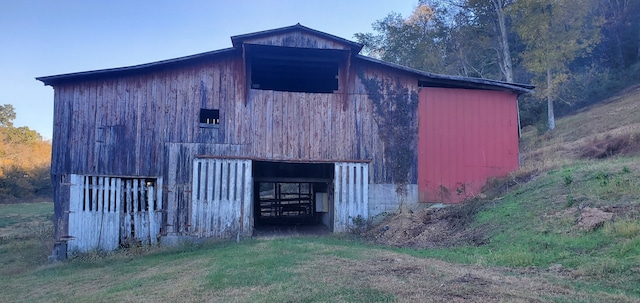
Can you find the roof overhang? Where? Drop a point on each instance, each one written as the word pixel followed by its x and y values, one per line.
pixel 137 69
pixel 426 79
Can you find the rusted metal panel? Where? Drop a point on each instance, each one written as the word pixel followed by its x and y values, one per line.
pixel 464 138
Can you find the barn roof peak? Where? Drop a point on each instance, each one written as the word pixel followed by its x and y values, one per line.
pixel 238 40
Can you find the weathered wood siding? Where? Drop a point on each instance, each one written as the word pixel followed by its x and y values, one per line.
pixel 351 195
pixel 120 126
pixel 297 39
pixel 106 212
pixel 147 124
pixel 222 195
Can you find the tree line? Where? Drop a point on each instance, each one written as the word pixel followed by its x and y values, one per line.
pixel 25 160
pixel 575 51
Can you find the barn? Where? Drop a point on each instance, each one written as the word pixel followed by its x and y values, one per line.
pixel 288 126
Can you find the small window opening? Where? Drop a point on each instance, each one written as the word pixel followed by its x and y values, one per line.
pixel 209 116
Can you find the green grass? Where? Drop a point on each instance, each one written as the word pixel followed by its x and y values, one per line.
pixel 337 268
pixel 26 232
pixel 534 226
pixel 12 215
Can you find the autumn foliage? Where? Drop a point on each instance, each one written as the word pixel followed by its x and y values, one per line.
pixel 25 160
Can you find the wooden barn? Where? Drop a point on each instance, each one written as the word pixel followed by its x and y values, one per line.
pixel 288 126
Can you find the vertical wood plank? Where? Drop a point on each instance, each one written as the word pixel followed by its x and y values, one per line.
pixel 365 190
pixel 152 234
pixel 337 209
pixel 158 211
pixel 201 226
pixel 210 185
pixel 247 200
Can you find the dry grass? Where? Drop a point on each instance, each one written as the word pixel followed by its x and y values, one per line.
pixel 606 129
pixel 417 280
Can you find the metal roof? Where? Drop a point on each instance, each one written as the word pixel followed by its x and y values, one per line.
pixel 55 79
pixel 454 81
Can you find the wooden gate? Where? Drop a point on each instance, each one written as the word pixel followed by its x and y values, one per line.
pixel 105 212
pixel 351 195
pixel 222 197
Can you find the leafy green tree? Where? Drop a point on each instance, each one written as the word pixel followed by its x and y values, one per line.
pixel 7 115
pixel 555 32
pixel 416 41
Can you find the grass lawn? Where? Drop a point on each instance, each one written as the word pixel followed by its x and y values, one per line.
pixel 336 268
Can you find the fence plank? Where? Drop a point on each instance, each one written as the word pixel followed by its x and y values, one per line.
pixel 351 196
pixel 222 195
pixel 210 185
pixel 107 211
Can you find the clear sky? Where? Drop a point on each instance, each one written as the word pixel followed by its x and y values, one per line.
pixel 44 37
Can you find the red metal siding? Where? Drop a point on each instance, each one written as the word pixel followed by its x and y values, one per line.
pixel 464 138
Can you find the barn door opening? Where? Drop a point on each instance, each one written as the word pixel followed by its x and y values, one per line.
pixel 292 195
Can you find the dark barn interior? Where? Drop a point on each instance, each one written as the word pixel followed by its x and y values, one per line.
pixel 291 195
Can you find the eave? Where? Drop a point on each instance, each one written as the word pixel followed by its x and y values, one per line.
pixel 437 80
pixel 136 69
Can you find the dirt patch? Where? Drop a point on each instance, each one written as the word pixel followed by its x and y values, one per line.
pixel 412 279
pixel 611 145
pixel 628 210
pixel 592 218
pixel 428 228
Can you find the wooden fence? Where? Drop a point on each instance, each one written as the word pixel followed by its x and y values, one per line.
pixel 106 212
pixel 351 194
pixel 222 198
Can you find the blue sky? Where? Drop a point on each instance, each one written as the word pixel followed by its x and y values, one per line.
pixel 43 38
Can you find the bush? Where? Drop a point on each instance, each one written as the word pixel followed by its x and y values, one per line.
pixel 19 185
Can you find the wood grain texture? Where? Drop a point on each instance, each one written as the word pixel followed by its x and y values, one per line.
pixel 146 125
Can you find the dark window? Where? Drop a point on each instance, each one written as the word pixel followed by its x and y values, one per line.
pixel 210 116
pixel 294 69
pixel 294 75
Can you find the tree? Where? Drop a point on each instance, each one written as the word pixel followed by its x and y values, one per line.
pixel 416 41
pixel 505 52
pixel 7 115
pixel 621 18
pixel 555 32
pixel 24 161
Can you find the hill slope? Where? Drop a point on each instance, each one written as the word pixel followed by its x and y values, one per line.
pixel 573 208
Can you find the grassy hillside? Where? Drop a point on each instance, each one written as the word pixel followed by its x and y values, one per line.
pixel 564 228
pixel 573 209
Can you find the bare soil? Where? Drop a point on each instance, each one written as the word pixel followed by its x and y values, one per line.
pixel 592 218
pixel 427 228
